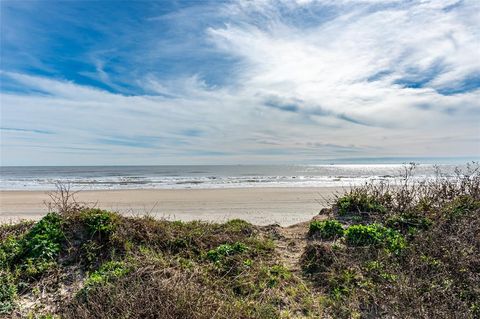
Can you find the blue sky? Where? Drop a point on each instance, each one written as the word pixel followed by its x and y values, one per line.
pixel 227 82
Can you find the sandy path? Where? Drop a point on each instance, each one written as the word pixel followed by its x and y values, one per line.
pixel 261 206
pixel 292 240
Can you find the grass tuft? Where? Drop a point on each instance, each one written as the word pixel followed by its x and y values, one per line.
pixel 225 250
pixel 359 202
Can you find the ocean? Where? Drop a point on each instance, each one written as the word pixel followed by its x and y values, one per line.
pixel 203 176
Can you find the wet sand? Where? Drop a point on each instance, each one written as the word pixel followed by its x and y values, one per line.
pixel 260 206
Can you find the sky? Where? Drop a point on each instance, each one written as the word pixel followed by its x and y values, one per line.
pixel 237 82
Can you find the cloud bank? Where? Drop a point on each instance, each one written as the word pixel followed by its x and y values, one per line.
pixel 246 82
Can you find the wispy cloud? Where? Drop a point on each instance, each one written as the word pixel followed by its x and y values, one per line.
pixel 23 130
pixel 256 81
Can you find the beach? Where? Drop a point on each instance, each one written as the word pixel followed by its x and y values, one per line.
pixel 260 206
pixel 262 195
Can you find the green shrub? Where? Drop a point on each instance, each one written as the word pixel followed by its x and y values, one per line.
pixel 31 267
pixel 226 250
pixel 462 205
pixel 108 271
pixel 36 251
pixel 9 249
pixel 91 250
pixel 328 229
pixel 99 221
pixel 408 221
pixel 375 235
pixel 357 201
pixel 8 293
pixel 44 239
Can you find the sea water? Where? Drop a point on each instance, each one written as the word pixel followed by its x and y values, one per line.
pixel 205 176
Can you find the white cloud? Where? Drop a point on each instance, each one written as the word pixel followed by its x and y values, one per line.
pixel 354 63
pixel 299 92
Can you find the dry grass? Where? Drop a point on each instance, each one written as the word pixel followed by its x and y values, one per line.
pixel 420 259
pixel 111 266
pixel 436 274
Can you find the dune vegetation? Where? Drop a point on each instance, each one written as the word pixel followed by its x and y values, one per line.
pixel 409 250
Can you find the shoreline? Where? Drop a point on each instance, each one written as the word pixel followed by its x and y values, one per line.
pixel 258 205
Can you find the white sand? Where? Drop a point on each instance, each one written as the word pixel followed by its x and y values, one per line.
pixel 260 206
